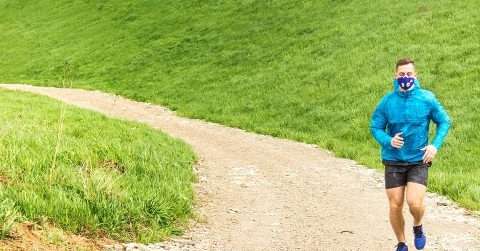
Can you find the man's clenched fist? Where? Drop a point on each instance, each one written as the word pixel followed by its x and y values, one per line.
pixel 430 152
pixel 397 140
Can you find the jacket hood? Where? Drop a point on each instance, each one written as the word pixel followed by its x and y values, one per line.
pixel 396 88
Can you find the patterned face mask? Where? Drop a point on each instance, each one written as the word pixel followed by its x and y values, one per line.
pixel 405 82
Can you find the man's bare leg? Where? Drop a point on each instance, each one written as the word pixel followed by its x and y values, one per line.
pixel 395 198
pixel 415 194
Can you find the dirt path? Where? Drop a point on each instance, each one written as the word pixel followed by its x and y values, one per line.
pixel 262 193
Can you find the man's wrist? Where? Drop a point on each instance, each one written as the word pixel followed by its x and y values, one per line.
pixel 389 141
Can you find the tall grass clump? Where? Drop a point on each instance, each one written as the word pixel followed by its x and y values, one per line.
pixel 100 177
pixel 8 217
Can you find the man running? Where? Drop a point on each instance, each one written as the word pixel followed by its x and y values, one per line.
pixel 405 113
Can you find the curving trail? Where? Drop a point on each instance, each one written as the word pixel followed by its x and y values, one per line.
pixel 257 192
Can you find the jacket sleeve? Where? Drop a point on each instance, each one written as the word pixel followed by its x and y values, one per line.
pixel 378 124
pixel 442 120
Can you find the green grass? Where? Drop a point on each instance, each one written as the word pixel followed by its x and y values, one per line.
pixel 8 217
pixel 306 70
pixel 108 178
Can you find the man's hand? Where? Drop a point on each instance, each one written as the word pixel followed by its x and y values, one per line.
pixel 397 141
pixel 430 152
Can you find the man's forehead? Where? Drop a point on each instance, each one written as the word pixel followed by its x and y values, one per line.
pixel 406 68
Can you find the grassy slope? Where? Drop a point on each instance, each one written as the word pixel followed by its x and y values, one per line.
pixel 307 70
pixel 109 178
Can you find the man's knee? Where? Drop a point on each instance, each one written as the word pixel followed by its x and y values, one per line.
pixel 396 198
pixel 415 195
pixel 396 205
pixel 415 205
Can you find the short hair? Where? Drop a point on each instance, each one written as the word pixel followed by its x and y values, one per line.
pixel 404 61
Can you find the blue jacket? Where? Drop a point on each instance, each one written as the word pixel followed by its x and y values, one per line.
pixel 408 112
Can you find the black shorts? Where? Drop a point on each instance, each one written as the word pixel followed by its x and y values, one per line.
pixel 399 173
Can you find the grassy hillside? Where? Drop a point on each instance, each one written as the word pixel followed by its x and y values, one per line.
pixel 89 174
pixel 307 70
